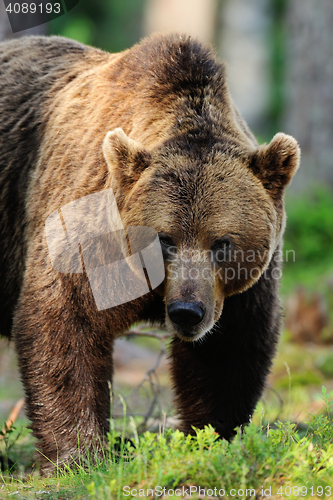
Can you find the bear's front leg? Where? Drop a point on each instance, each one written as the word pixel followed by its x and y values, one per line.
pixel 219 379
pixel 64 348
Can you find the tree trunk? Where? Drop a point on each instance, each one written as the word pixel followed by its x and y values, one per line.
pixel 309 74
pixel 244 31
pixel 193 17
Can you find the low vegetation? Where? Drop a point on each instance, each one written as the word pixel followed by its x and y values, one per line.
pixel 275 461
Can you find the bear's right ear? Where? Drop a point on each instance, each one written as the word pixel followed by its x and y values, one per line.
pixel 276 163
pixel 126 159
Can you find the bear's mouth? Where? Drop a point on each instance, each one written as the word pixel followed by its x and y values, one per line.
pixel 189 336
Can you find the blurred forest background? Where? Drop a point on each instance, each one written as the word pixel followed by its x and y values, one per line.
pixel 279 56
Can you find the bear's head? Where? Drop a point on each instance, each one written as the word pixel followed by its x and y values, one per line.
pixel 217 207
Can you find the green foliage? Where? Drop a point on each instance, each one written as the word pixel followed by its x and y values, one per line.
pixel 111 25
pixel 308 241
pixel 257 456
pixel 324 362
pixel 275 457
pixel 302 378
pixel 7 441
pixel 277 41
pixel 17 448
pixel 310 226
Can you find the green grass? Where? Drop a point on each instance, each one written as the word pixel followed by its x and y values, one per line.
pixel 276 456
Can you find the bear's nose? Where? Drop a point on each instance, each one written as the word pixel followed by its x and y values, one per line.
pixel 186 314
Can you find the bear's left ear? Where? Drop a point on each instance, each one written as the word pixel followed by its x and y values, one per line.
pixel 276 163
pixel 126 159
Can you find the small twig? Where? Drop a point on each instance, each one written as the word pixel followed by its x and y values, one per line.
pixel 12 417
pixel 151 373
pixel 157 363
pixel 142 426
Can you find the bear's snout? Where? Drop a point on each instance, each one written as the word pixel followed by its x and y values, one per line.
pixel 186 314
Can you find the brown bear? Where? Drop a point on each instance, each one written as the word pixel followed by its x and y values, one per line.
pixel 156 125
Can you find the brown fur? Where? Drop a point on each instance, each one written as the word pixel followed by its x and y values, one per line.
pixel 156 124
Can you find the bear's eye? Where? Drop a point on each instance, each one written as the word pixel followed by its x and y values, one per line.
pixel 168 246
pixel 166 240
pixel 222 249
